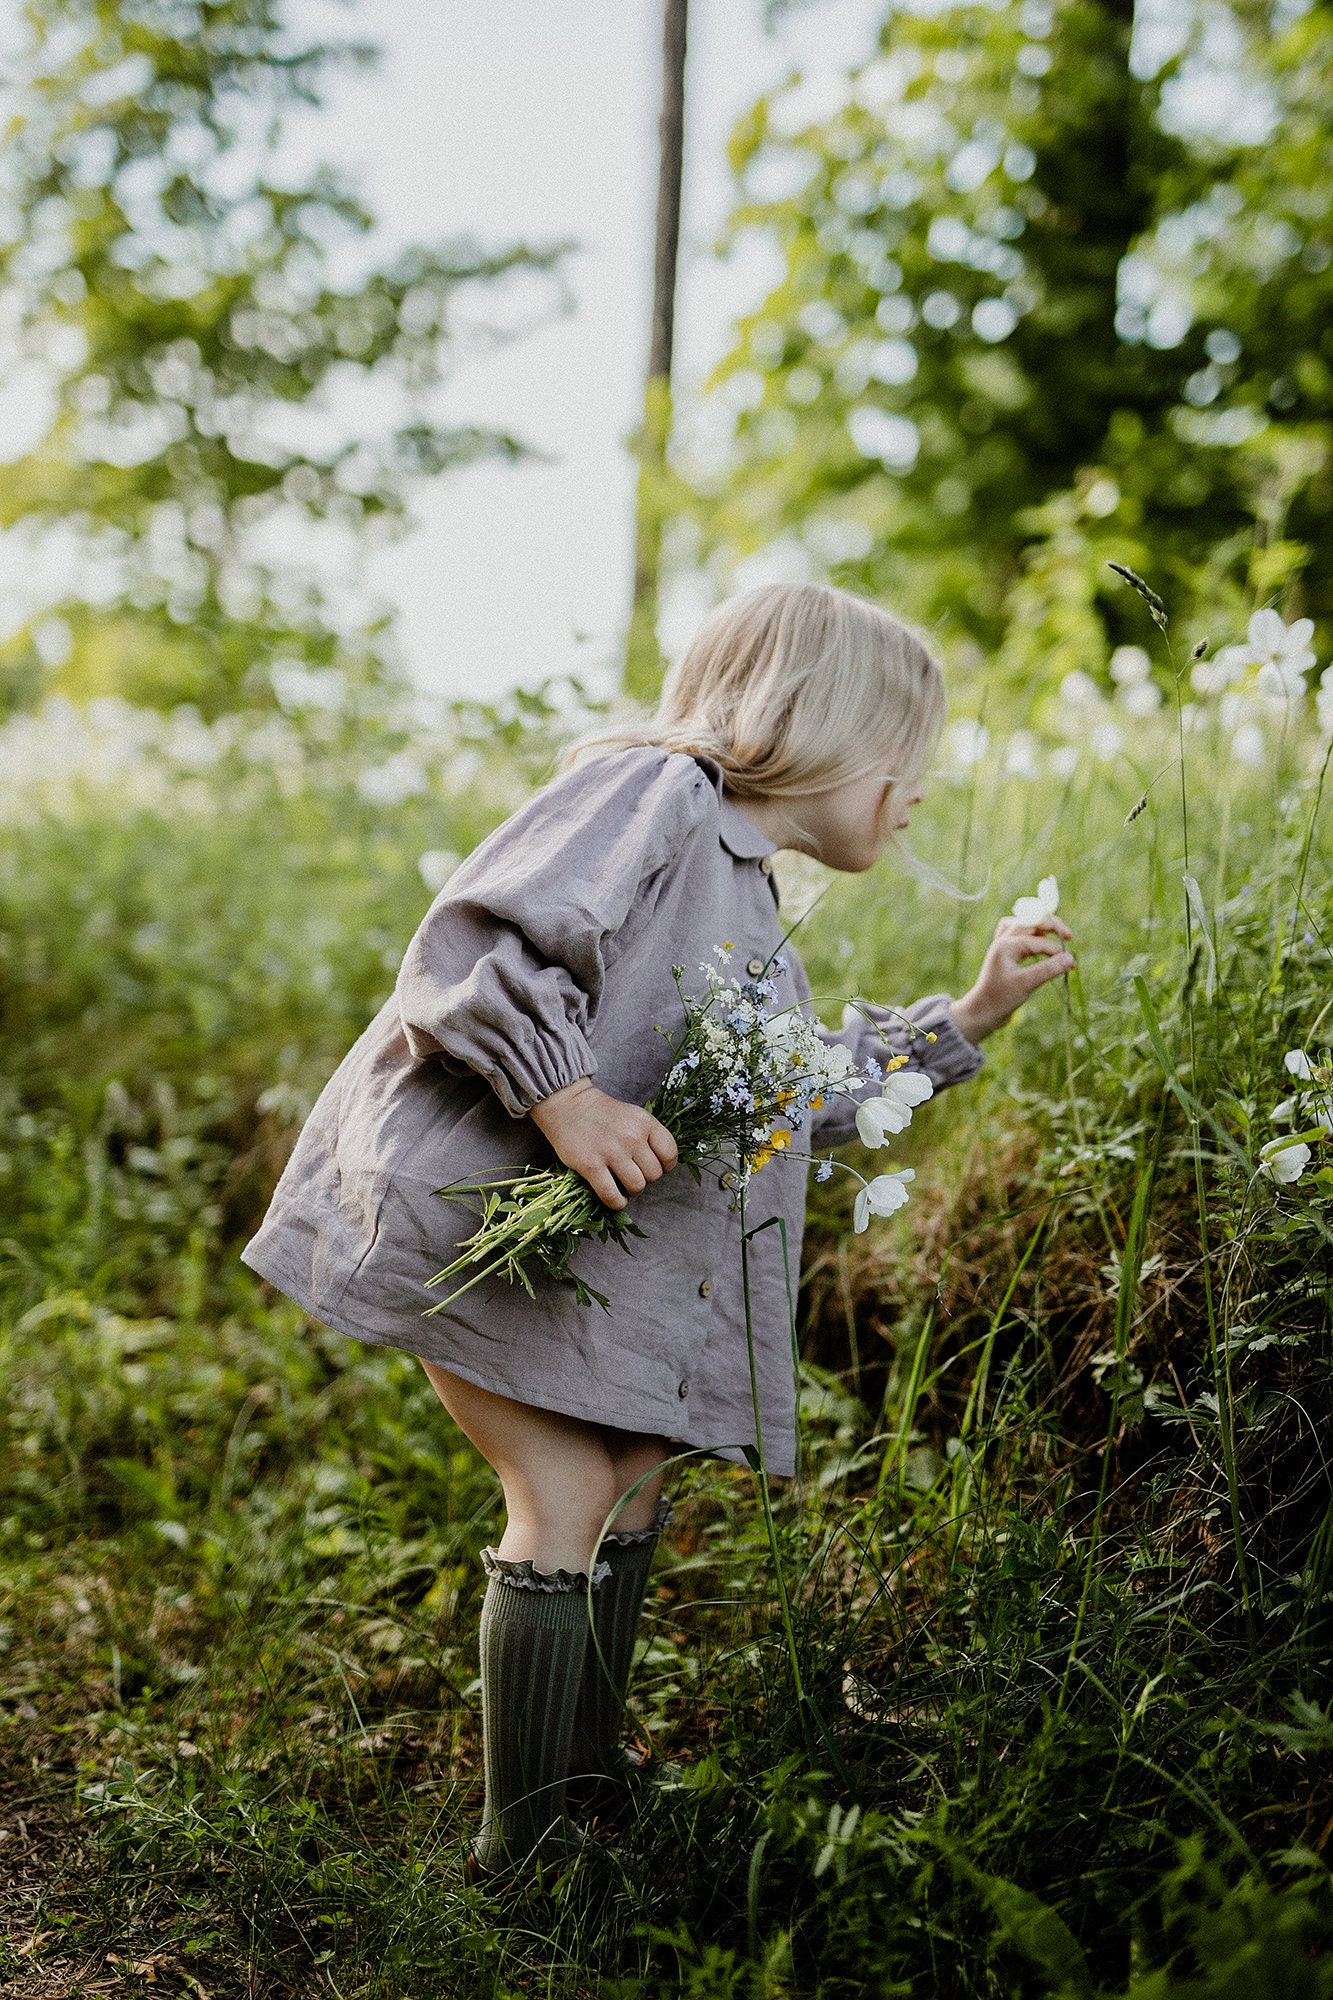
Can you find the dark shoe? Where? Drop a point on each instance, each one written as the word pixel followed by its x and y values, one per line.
pixel 487 1865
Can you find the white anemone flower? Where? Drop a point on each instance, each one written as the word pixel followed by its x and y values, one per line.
pixel 1130 665
pixel 1248 747
pixel 1318 1106
pixel 1032 909
pixel 1223 671
pixel 1282 1161
pixel 881 1196
pixel 892 1112
pixel 836 1063
pixel 1282 653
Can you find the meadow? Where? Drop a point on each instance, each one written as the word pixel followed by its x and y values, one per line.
pixel 1060 1556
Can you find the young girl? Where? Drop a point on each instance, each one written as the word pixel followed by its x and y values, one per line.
pixel 524 1031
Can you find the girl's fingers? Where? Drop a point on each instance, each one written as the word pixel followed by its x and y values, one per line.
pixel 1030 947
pixel 600 1181
pixel 629 1173
pixel 1010 927
pixel 646 1160
pixel 1037 975
pixel 662 1143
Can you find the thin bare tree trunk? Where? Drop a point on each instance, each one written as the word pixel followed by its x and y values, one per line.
pixel 643 659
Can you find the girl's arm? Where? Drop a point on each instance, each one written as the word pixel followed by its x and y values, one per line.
pixel 1005 981
pixel 506 972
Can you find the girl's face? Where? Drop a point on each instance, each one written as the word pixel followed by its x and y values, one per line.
pixel 847 827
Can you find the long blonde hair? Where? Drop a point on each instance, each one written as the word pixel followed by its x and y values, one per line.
pixel 797 687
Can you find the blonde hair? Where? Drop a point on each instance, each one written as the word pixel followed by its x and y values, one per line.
pixel 794 688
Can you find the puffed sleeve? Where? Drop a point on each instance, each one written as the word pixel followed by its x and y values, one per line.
pixel 506 971
pixel 949 1059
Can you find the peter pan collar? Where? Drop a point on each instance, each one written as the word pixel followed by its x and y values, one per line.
pixel 739 835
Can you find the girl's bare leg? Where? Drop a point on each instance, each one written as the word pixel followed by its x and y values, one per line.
pixel 561 1476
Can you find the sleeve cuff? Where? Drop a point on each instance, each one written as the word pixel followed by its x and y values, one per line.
pixel 541 1069
pixel 950 1058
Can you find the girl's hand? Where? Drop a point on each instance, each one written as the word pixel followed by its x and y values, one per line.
pixel 614 1146
pixel 1021 958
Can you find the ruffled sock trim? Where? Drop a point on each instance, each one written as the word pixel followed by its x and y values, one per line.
pixel 634 1538
pixel 525 1575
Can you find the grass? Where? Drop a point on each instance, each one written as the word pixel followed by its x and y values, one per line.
pixel 1058 1559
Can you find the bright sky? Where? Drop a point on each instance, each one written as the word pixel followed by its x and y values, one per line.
pixel 519 118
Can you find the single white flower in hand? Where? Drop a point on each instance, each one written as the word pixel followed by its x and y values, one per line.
pixel 1282 653
pixel 1281 1161
pixel 1033 909
pixel 892 1112
pixel 881 1196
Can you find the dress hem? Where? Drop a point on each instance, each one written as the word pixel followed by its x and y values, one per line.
pixel 729 1449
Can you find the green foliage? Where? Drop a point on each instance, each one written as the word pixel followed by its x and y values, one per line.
pixel 195 320
pixel 1026 325
pixel 238 1555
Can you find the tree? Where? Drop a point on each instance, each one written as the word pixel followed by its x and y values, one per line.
pixel 1029 320
pixel 643 657
pixel 192 317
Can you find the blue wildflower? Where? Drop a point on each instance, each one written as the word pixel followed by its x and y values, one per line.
pixel 824 1171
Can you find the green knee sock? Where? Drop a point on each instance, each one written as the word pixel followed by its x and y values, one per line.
pixel 628 1555
pixel 534 1635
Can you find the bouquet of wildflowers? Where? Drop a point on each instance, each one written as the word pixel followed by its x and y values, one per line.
pixel 741 1086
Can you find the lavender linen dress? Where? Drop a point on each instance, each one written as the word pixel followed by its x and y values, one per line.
pixel 547 958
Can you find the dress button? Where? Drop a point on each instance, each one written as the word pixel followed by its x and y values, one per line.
pixel 766 865
pixel 755 967
pixel 705 1288
pixel 683 1391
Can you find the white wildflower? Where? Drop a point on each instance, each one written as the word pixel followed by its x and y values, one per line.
pixel 1223 671
pixel 1141 698
pixel 1080 690
pixel 1282 653
pixel 1130 665
pixel 1064 760
pixel 835 1062
pixel 435 867
pixel 1020 756
pixel 388 784
pixel 1248 747
pixel 881 1196
pixel 1283 1161
pixel 1033 909
pixel 967 743
pixel 1312 1107
pixel 904 1090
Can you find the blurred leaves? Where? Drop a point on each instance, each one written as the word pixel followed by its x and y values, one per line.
pixel 1034 316
pixel 204 339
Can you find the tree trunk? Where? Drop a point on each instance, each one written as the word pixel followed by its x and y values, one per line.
pixel 643 659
